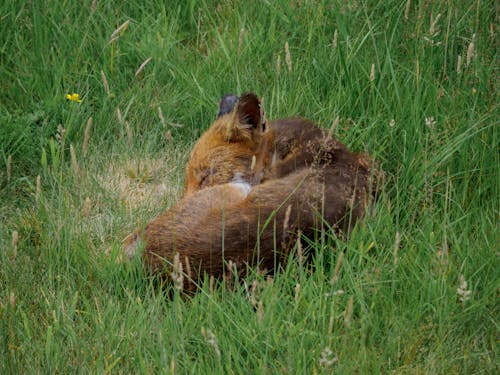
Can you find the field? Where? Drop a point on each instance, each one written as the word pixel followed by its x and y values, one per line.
pixel 415 288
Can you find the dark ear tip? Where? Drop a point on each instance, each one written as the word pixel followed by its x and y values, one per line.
pixel 227 104
pixel 249 110
pixel 250 97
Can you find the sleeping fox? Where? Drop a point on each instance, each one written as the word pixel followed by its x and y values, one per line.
pixel 250 186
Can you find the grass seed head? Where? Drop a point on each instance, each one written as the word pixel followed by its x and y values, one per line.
pixel 129 134
pixel 105 83
pixel 86 137
pixel 142 66
pixel 260 312
pixel 348 313
pixel 397 240
pixel 9 168
pixel 12 300
pixel 240 40
pixel 462 291
pixel 372 73
pixel 297 291
pixel 60 133
pixel 229 276
pixel 177 274
pixel 119 115
pixel 162 119
pixel 254 160
pixel 86 208
pixel 327 358
pixel 172 366
pixel 254 292
pixel 470 51
pixel 332 130
pixel 38 189
pixel 168 136
pixel 300 251
pixel 430 122
pixel 459 64
pixel 288 58
pixel 336 272
pixel 74 162
pixel 119 31
pixel 188 268
pixel 211 340
pixel 15 240
pixel 93 6
pixel 287 219
pixel 211 284
pixel 433 29
pixel 407 9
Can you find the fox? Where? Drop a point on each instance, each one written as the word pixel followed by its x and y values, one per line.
pixel 242 143
pixel 253 187
pixel 253 225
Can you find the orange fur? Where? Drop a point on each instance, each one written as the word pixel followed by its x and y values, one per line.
pixel 226 149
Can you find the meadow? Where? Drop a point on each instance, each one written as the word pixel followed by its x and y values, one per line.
pixel 415 287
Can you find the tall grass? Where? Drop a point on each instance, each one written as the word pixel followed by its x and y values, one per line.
pixel 414 83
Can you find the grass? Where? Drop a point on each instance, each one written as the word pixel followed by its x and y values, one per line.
pixel 391 74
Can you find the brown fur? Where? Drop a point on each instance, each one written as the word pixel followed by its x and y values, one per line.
pixel 251 230
pixel 191 209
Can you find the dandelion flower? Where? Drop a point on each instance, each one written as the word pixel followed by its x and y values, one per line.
pixel 73 97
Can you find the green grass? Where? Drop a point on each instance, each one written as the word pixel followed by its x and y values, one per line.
pixel 67 304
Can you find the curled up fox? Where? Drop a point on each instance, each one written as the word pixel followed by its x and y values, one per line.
pixel 251 186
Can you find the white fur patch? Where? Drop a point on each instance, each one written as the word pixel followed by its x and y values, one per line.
pixel 239 183
pixel 244 187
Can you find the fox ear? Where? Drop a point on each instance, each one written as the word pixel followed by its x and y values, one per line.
pixel 227 104
pixel 248 111
pixel 247 119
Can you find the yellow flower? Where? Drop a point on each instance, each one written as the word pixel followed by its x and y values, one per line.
pixel 74 97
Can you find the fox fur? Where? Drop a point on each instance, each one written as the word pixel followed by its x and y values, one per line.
pixel 251 185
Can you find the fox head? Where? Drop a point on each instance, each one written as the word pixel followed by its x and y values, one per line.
pixel 234 147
